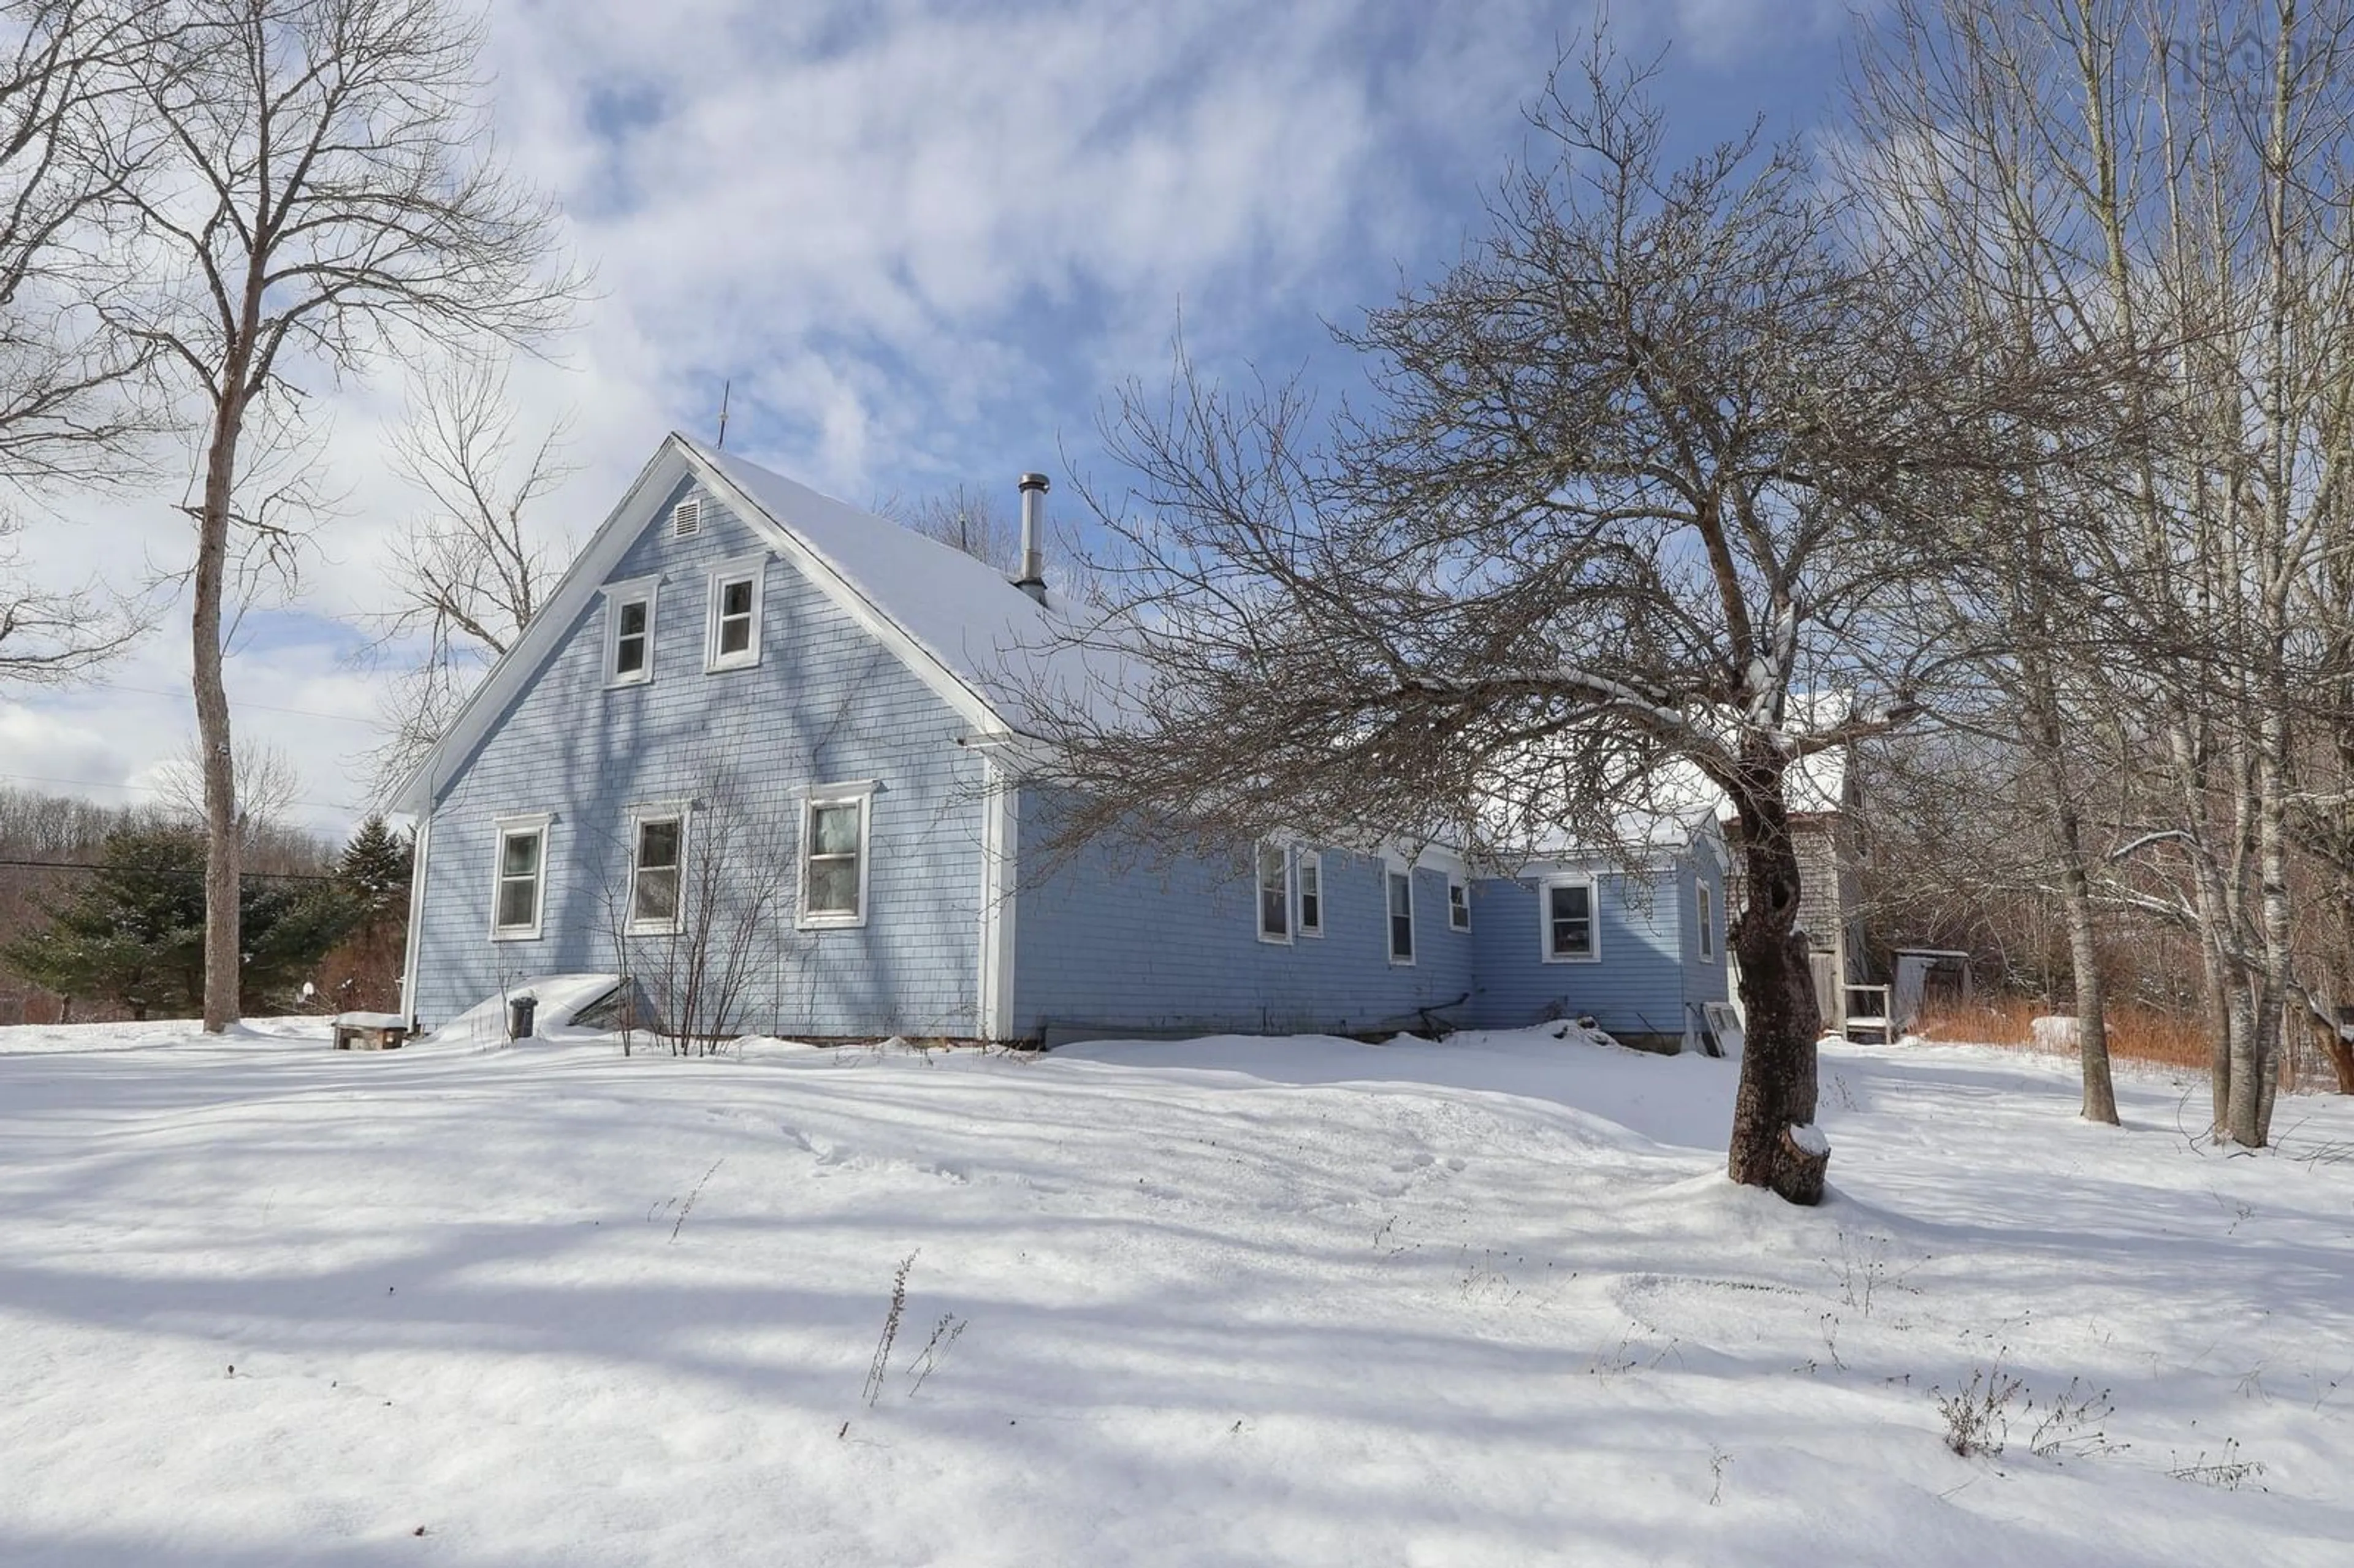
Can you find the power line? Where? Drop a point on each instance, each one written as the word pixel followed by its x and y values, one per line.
pixel 269 707
pixel 164 869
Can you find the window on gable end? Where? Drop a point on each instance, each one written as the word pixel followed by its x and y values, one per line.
pixel 657 853
pixel 519 878
pixel 834 863
pixel 1273 882
pixel 1459 904
pixel 733 639
pixel 1308 870
pixel 629 632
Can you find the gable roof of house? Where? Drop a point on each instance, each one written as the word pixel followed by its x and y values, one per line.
pixel 987 647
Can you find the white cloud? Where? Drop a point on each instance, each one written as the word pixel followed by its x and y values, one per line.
pixel 923 238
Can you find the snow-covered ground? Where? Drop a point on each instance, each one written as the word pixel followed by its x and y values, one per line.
pixel 1295 1301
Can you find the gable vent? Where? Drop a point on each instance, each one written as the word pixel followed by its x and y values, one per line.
pixel 686 518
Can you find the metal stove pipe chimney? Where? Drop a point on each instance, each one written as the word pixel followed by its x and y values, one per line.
pixel 1033 580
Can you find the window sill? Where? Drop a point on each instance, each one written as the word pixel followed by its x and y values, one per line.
pixel 515 934
pixel 625 683
pixel 1572 958
pixel 711 667
pixel 829 923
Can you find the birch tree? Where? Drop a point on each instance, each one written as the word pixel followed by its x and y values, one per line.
pixel 2175 178
pixel 324 192
pixel 1647 489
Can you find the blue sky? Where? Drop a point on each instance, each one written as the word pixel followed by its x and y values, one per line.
pixel 924 240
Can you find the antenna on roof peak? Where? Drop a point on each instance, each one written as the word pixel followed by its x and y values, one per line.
pixel 725 388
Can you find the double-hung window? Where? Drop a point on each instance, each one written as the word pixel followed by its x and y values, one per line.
pixel 657 854
pixel 1308 870
pixel 1459 904
pixel 629 632
pixel 834 855
pixel 1568 912
pixel 1273 880
pixel 1400 898
pixel 1704 904
pixel 519 878
pixel 733 639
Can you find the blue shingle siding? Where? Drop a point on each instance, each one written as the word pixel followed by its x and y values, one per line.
pixel 1110 939
pixel 827 704
pixel 1704 980
pixel 1638 986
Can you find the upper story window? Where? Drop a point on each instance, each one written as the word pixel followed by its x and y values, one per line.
pixel 629 632
pixel 1400 898
pixel 1568 912
pixel 1459 904
pixel 835 861
pixel 1308 870
pixel 657 850
pixel 1704 906
pixel 519 877
pixel 1273 880
pixel 733 641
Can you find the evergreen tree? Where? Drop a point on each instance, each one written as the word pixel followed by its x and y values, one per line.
pixel 134 933
pixel 373 872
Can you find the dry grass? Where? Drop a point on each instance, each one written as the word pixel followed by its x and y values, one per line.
pixel 2136 1034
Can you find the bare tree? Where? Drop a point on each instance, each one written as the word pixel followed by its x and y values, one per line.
pixel 473 570
pixel 981 522
pixel 2175 178
pixel 1652 486
pixel 697 904
pixel 324 194
pixel 268 788
pixel 972 517
pixel 68 409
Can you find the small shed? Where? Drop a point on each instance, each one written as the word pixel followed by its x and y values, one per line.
pixel 1923 973
pixel 370 1031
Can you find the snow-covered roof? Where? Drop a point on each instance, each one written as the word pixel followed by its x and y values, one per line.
pixel 989 649
pixel 1009 648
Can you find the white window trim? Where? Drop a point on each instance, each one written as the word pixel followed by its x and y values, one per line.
pixel 1704 897
pixel 657 812
pixel 637 591
pixel 1412 925
pixel 1300 925
pixel 1259 852
pixel 1458 885
pixel 505 828
pixel 863 796
pixel 753 568
pixel 1593 886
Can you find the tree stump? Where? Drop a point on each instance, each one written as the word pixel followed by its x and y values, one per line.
pixel 1801 1158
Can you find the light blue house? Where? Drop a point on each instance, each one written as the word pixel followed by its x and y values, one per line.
pixel 757 754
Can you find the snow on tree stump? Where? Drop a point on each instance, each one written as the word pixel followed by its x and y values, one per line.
pixel 370 1031
pixel 1801 1158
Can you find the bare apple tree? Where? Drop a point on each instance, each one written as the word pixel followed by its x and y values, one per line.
pixel 322 193
pixel 1645 504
